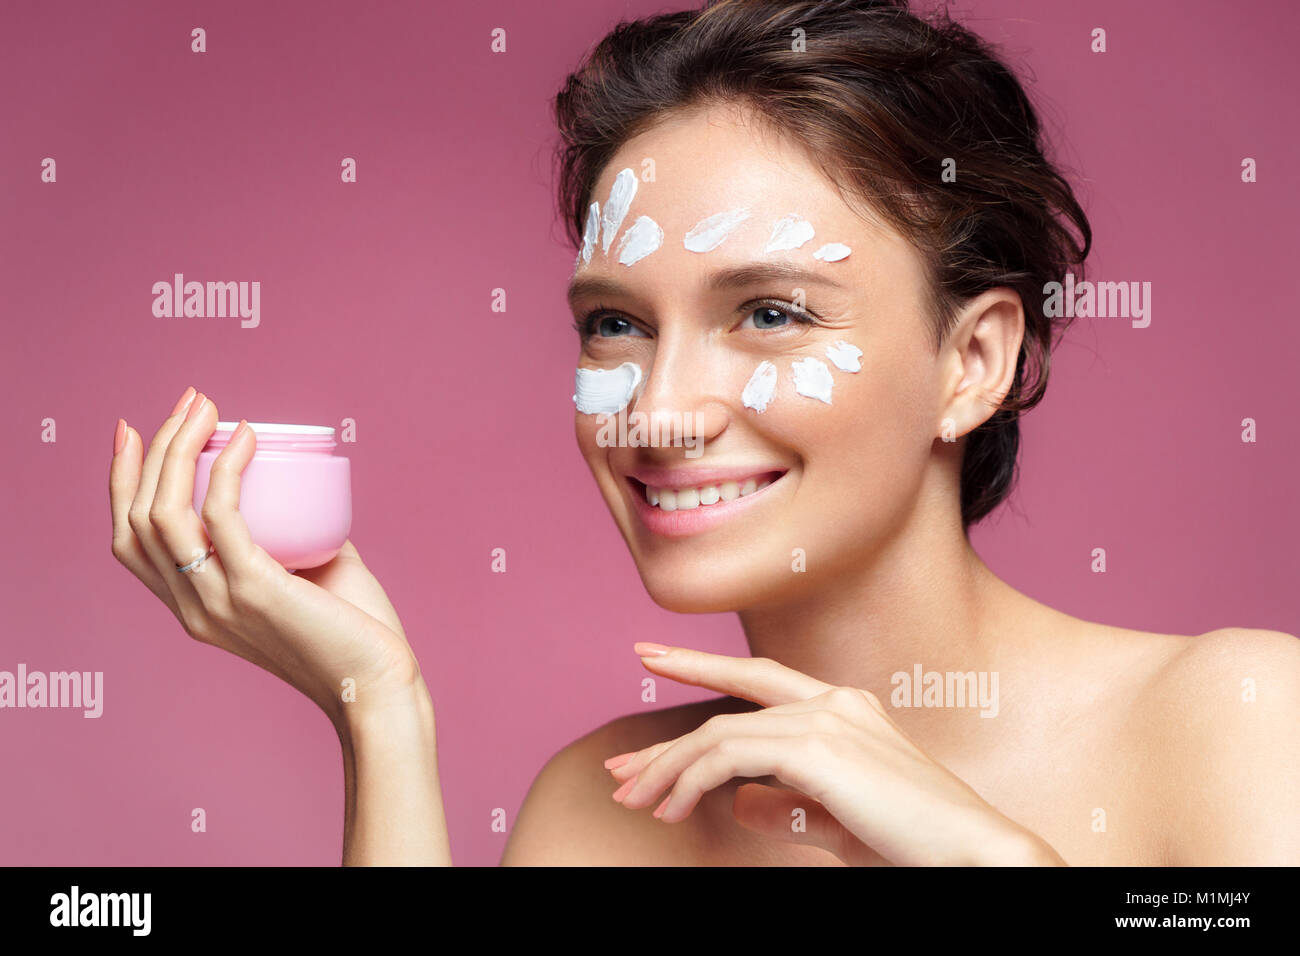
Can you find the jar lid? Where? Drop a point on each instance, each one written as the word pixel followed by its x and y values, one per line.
pixel 230 427
pixel 272 436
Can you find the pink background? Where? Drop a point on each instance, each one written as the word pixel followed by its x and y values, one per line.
pixel 375 306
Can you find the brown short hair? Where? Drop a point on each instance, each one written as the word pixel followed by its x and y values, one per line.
pixel 880 98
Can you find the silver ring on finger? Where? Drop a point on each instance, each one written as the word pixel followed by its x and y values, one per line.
pixel 186 568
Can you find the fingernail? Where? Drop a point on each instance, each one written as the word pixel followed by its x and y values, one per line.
pixel 646 649
pixel 659 810
pixel 613 763
pixel 624 790
pixel 239 429
pixel 119 437
pixel 196 407
pixel 186 397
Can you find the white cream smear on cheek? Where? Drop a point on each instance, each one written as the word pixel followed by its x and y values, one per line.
pixel 845 356
pixel 760 387
pixel 832 252
pixel 709 233
pixel 812 379
pixel 642 238
pixel 605 391
pixel 790 232
pixel 620 201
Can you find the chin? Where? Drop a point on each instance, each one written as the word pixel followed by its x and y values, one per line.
pixel 709 588
pixel 683 598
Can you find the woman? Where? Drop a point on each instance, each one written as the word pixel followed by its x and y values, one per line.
pixel 814 239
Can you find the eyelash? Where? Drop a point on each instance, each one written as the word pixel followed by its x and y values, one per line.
pixel 586 325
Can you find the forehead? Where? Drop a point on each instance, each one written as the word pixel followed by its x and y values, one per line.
pixel 714 159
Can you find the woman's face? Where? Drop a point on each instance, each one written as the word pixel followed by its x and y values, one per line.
pixel 844 476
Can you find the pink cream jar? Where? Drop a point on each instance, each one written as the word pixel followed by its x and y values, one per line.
pixel 295 495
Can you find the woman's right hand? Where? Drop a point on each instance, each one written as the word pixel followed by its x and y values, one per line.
pixel 315 629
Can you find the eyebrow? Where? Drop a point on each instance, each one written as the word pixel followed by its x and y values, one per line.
pixel 748 274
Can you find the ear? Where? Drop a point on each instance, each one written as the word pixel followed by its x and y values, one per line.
pixel 979 360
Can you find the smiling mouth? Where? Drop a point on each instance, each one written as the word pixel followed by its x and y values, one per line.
pixel 702 496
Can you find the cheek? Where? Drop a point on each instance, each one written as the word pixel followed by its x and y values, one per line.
pixel 585 429
pixel 880 413
pixel 783 397
pixel 864 455
pixel 875 411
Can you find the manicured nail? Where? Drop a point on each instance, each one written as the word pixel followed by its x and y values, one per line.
pixel 624 790
pixel 184 402
pixel 119 437
pixel 196 407
pixel 613 763
pixel 659 810
pixel 646 649
pixel 239 429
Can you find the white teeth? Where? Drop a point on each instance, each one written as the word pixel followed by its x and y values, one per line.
pixel 687 499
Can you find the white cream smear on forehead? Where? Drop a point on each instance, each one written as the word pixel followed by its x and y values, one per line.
pixel 760 387
pixel 845 356
pixel 605 391
pixel 620 201
pixel 790 232
pixel 642 238
pixel 832 252
pixel 812 379
pixel 592 232
pixel 709 233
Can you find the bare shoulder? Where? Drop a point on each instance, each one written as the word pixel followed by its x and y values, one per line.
pixel 569 817
pixel 1220 720
pixel 1217 679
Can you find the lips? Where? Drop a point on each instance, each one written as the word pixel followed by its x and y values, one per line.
pixel 704 495
pixel 682 501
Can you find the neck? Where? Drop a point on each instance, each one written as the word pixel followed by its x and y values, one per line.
pixel 925 598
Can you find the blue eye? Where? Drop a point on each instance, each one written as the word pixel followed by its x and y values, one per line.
pixel 766 317
pixel 774 316
pixel 601 323
pixel 612 326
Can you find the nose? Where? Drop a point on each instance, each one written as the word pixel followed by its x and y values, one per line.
pixel 681 398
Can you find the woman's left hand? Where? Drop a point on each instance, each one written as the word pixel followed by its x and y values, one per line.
pixel 869 794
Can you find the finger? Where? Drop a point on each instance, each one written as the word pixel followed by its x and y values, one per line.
pixel 138 514
pixel 786 758
pixel 180 541
pixel 797 818
pixel 638 760
pixel 123 478
pixel 142 501
pixel 858 707
pixel 186 604
pixel 758 679
pixel 172 509
pixel 153 457
pixel 225 525
pixel 664 770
